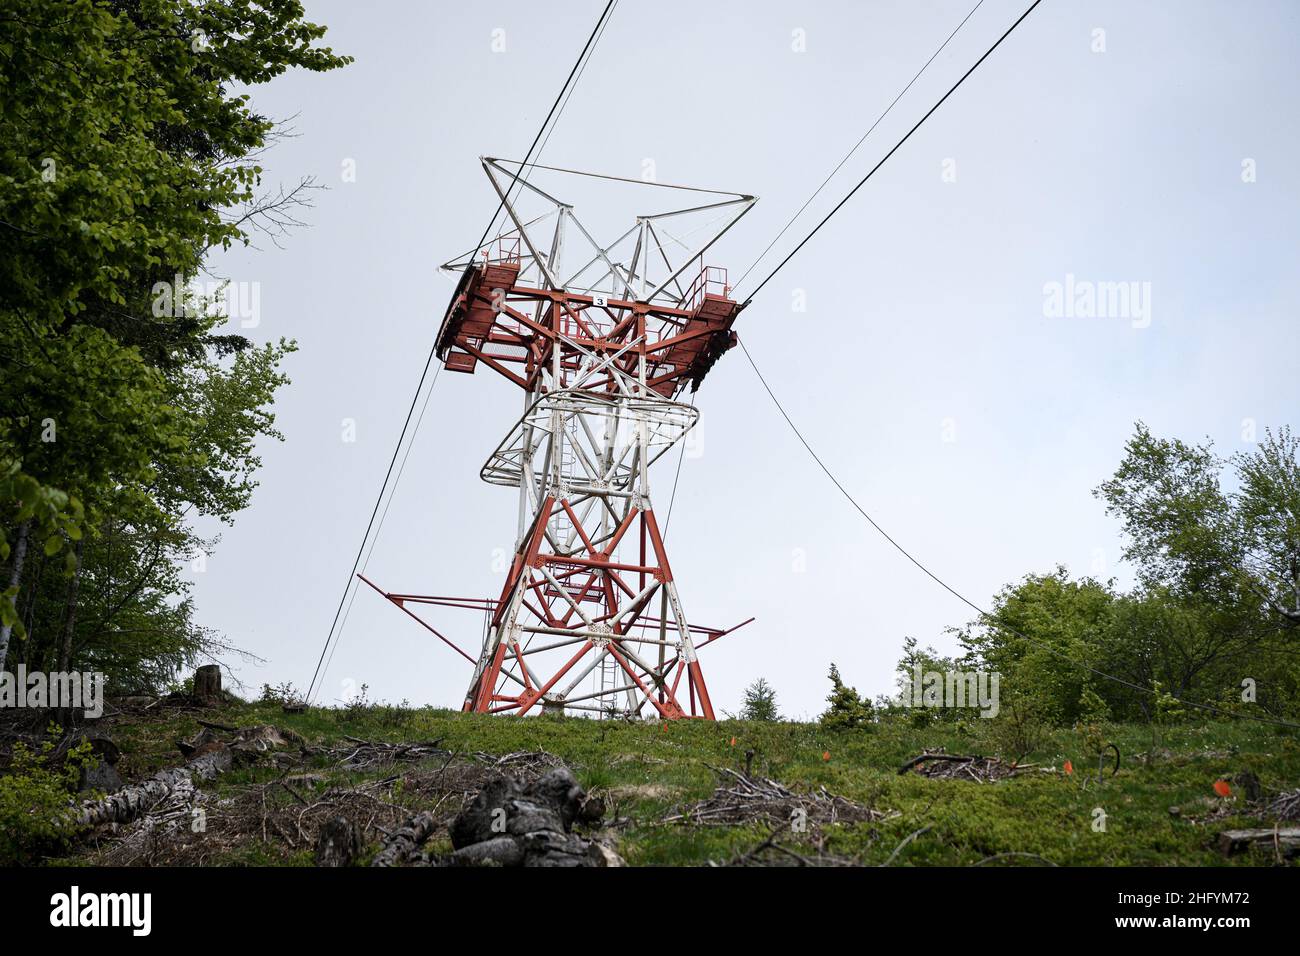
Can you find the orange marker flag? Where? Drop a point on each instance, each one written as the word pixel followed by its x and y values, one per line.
pixel 1222 789
pixel 733 741
pixel 826 755
pixel 1069 767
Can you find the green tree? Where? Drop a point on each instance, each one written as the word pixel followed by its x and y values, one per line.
pixel 1180 531
pixel 918 660
pixel 1042 635
pixel 759 702
pixel 846 708
pixel 125 156
pixel 1267 512
pixel 1216 545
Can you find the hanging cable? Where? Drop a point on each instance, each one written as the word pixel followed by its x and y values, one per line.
pixel 930 112
pixel 379 528
pixel 526 168
pixel 560 99
pixel 816 193
pixel 681 455
pixel 856 146
pixel 984 615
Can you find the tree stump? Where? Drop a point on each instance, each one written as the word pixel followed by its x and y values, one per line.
pixel 338 842
pixel 101 775
pixel 207 684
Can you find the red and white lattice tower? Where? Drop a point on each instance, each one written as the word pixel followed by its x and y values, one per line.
pixel 589 618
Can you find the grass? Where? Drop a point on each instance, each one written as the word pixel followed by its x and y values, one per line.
pixel 647 770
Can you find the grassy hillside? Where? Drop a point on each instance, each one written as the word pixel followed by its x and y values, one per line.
pixel 647 772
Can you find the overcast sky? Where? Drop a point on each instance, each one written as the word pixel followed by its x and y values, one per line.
pixel 929 367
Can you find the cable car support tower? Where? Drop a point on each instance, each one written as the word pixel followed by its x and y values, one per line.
pixel 603 354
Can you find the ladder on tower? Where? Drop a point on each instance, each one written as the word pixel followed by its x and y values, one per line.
pixel 609 676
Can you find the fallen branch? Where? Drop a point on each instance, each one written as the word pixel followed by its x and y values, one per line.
pixel 212 726
pixel 961 766
pixel 166 802
pixel 367 753
pixel 1285 806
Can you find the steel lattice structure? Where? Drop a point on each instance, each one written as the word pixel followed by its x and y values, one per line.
pixel 603 355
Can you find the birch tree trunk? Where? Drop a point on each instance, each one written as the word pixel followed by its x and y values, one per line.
pixel 15 579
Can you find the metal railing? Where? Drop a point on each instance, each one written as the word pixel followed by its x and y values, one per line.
pixel 507 248
pixel 712 280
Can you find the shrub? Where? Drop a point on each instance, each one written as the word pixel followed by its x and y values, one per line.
pixel 1020 728
pixel 284 693
pixel 37 816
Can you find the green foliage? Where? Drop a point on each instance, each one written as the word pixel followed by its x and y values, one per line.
pixel 846 709
pixel 38 512
pixel 759 702
pixel 918 660
pixel 1091 706
pixel 1065 620
pixel 125 156
pixel 282 694
pixel 37 816
pixel 1021 727
pixel 1219 569
pixel 1168 708
pixel 1214 610
pixel 118 123
pixel 1176 517
pixel 1267 520
pixel 1186 535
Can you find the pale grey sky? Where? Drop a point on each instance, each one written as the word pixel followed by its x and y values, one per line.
pixel 924 369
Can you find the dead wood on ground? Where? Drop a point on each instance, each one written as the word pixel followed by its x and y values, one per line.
pixel 740 798
pixel 946 766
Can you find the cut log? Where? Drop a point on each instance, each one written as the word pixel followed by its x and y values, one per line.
pixel 1285 839
pixel 132 801
pixel 499 851
pixel 404 844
